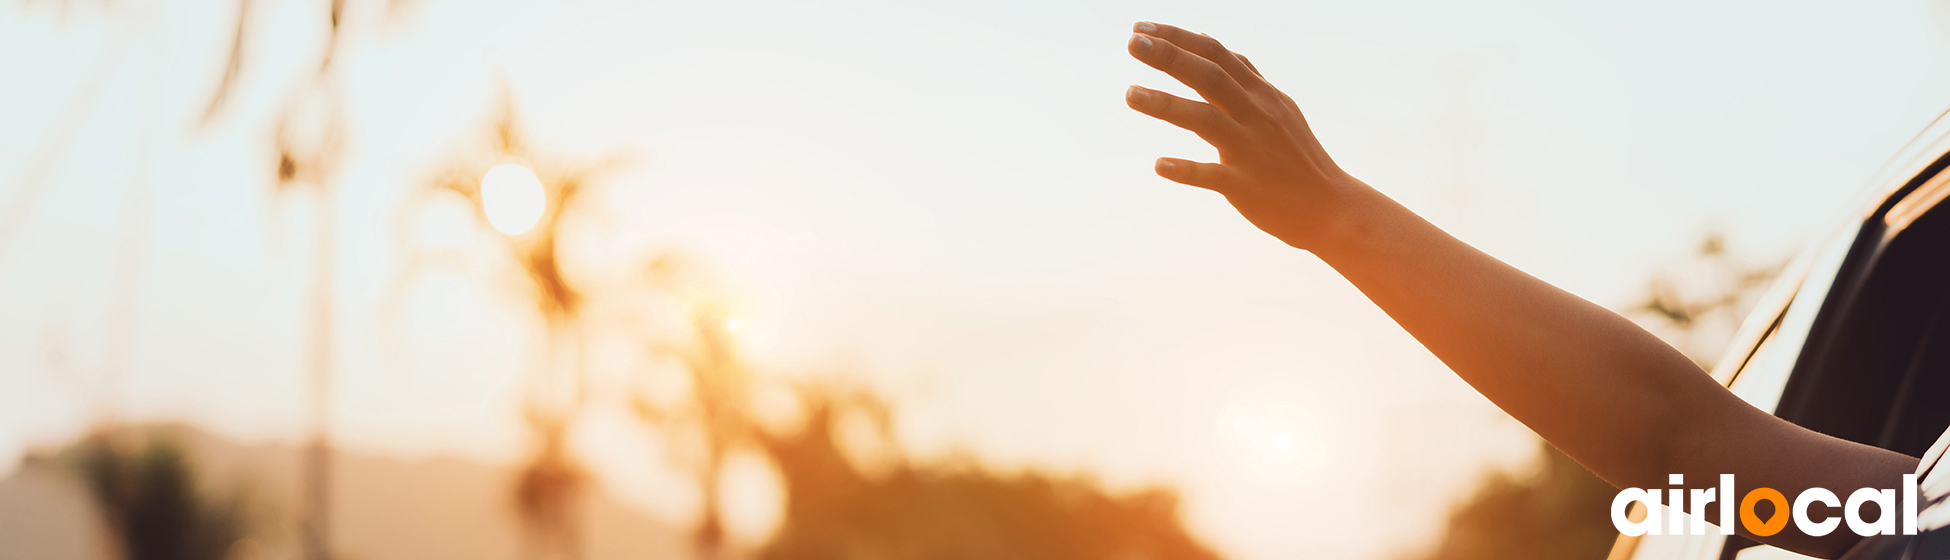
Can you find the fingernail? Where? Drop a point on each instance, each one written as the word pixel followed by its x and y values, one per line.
pixel 1143 43
pixel 1137 94
pixel 1146 27
pixel 1165 165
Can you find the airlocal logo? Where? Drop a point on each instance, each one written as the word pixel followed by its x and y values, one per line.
pixel 1885 501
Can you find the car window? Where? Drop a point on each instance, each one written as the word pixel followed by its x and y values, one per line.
pixel 1763 376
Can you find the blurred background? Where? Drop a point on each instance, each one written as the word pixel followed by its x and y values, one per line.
pixel 573 279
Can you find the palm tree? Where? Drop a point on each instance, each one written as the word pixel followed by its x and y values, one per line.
pixel 551 482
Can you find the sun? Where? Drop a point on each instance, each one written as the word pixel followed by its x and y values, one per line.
pixel 512 198
pixel 1273 439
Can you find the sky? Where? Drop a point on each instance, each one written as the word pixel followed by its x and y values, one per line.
pixel 948 202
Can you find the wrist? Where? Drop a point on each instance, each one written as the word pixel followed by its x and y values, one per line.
pixel 1345 218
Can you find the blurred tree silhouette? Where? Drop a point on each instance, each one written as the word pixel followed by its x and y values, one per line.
pixel 1697 304
pixel 548 492
pixel 147 491
pixel 1557 513
pixel 718 412
pixel 834 510
pixel 844 502
pixel 1560 512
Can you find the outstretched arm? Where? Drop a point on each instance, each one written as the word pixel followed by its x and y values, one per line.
pixel 1612 396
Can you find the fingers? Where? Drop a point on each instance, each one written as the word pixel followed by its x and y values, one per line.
pixel 1205 47
pixel 1210 81
pixel 1218 75
pixel 1215 127
pixel 1206 175
pixel 1249 65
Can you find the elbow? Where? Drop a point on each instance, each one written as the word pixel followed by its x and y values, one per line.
pixel 1678 433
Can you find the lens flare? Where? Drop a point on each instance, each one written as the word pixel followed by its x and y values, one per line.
pixel 512 198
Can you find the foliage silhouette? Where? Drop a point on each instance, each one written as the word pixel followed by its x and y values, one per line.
pixel 834 510
pixel 147 491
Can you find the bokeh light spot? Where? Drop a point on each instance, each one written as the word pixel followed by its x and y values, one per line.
pixel 512 198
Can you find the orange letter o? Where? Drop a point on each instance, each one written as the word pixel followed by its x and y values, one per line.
pixel 1752 522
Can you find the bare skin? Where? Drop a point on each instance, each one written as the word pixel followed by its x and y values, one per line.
pixel 1612 396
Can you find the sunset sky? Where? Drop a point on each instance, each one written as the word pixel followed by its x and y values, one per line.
pixel 948 201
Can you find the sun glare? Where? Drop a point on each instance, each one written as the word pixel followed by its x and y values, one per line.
pixel 512 198
pixel 1273 440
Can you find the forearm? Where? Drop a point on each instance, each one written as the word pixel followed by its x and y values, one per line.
pixel 1591 382
pixel 1612 396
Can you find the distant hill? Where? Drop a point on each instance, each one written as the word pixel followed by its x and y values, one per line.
pixel 383 508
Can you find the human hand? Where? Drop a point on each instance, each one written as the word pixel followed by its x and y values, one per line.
pixel 1271 168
